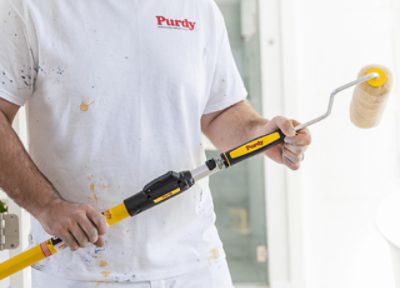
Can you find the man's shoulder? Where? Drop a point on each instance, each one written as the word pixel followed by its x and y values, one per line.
pixel 208 5
pixel 205 6
pixel 209 10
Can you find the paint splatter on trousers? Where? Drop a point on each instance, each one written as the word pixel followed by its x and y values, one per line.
pixel 216 275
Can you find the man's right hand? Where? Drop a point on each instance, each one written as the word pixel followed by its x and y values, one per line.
pixel 76 224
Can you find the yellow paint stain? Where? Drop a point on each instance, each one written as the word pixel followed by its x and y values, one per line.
pixel 103 263
pixel 84 107
pixel 214 254
pixel 98 283
pixel 93 195
pixel 105 274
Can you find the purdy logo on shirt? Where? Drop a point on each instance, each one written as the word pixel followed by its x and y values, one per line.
pixel 185 24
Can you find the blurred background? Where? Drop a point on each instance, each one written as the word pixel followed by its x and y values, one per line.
pixel 315 227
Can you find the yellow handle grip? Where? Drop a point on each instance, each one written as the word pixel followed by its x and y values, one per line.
pixel 252 147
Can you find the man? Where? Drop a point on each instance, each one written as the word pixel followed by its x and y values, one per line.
pixel 117 93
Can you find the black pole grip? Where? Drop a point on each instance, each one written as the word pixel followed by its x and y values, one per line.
pixel 252 147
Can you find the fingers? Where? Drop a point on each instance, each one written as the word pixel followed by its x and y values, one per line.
pixel 98 221
pixel 92 227
pixel 70 241
pixel 295 143
pixel 301 138
pixel 292 160
pixel 79 236
pixel 290 164
pixel 81 227
pixel 100 242
pixel 77 224
pixel 295 149
pixel 284 125
pixel 89 230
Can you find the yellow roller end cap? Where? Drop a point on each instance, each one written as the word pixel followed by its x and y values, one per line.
pixel 380 81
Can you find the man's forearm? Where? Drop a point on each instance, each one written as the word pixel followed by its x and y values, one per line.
pixel 233 126
pixel 19 176
pixel 240 123
pixel 77 224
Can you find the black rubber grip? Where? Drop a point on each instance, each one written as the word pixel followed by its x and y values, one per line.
pixel 252 147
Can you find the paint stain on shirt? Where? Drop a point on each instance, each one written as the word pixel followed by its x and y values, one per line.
pixel 103 263
pixel 93 194
pixel 84 106
pixel 214 254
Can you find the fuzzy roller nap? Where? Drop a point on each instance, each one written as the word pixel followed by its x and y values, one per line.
pixel 370 97
pixel 372 89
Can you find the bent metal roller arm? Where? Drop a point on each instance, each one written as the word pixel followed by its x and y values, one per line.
pixel 166 187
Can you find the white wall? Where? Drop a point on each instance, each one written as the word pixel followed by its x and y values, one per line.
pixel 347 171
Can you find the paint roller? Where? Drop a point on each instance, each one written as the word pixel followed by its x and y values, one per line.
pixel 372 89
pixel 369 98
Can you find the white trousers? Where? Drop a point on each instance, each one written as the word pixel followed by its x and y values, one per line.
pixel 215 275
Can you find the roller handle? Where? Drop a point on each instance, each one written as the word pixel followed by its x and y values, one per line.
pixel 252 147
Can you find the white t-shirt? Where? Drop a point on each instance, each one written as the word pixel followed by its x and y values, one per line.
pixel 114 92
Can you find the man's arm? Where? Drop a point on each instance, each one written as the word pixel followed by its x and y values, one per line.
pixel 20 178
pixel 239 123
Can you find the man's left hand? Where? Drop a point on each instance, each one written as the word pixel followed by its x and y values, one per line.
pixel 291 151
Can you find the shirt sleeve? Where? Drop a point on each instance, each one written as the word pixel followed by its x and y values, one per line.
pixel 227 87
pixel 17 64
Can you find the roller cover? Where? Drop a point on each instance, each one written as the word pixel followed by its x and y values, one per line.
pixel 370 97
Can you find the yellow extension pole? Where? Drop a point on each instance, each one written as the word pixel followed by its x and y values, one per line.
pixel 154 193
pixel 27 258
pixel 47 249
